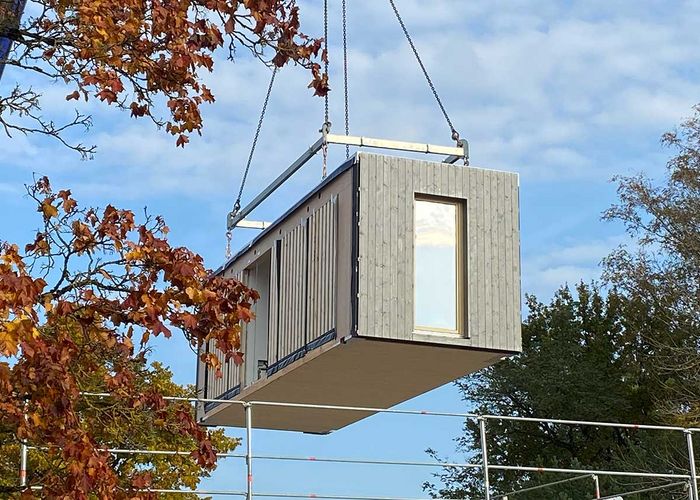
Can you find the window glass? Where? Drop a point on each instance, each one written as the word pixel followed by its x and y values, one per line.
pixel 436 265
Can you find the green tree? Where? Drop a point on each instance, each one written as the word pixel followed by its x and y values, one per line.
pixel 584 359
pixel 631 355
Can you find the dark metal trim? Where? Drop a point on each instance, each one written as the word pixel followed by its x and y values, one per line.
pixel 230 394
pixel 301 352
pixel 355 254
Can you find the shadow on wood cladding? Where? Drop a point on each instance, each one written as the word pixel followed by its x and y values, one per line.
pixel 394 276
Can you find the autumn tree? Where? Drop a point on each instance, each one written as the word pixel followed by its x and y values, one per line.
pixel 663 269
pixel 138 55
pixel 79 306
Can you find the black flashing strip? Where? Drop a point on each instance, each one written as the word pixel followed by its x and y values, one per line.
pixel 306 281
pixel 288 360
pixel 300 353
pixel 355 248
pixel 230 394
pixel 206 372
pixel 278 270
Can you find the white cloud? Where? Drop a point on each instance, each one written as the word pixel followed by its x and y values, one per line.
pixel 546 271
pixel 531 84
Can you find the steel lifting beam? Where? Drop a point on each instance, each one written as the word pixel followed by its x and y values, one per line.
pixel 234 219
pixel 369 142
pixel 253 224
pixel 454 154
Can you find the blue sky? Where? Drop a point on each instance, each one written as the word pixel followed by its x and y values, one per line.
pixel 566 93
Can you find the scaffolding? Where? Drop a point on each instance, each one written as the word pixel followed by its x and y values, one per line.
pixel 680 481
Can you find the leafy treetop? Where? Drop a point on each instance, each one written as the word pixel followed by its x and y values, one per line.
pixel 135 54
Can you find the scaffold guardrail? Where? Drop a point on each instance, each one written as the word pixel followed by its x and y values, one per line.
pixel 686 481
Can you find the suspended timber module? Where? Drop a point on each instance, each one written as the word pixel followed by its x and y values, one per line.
pixel 394 276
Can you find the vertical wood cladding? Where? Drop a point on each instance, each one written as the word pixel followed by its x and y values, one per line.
pixel 491 299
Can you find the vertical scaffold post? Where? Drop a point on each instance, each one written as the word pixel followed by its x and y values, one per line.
pixel 691 464
pixel 484 458
pixel 23 465
pixel 596 482
pixel 23 449
pixel 249 449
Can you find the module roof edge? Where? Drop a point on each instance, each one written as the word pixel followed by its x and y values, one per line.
pixel 346 165
pixel 418 158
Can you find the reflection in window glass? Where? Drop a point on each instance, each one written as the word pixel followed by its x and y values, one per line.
pixel 436 265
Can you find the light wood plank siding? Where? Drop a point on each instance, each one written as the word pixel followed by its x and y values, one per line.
pixel 491 298
pixel 321 303
pixel 292 291
pixel 306 306
pixel 231 375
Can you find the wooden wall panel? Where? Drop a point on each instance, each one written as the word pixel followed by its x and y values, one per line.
pixel 292 291
pixel 311 271
pixel 322 269
pixel 491 291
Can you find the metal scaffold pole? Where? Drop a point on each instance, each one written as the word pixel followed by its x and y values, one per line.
pixel 691 464
pixel 23 450
pixel 485 458
pixel 249 449
pixel 596 481
pixel 23 465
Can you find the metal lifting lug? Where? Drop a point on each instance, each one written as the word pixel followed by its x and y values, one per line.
pixel 230 221
pixel 325 130
pixel 464 144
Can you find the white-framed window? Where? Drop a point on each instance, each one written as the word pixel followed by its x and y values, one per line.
pixel 438 265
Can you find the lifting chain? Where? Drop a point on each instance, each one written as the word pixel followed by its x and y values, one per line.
pixel 326 116
pixel 326 62
pixel 237 204
pixel 345 75
pixel 229 236
pixel 324 172
pixel 455 134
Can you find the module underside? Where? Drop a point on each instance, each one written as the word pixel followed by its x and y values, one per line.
pixel 359 373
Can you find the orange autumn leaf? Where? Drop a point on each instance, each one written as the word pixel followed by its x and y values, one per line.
pixel 134 54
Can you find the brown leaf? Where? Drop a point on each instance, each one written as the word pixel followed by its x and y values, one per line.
pixel 48 209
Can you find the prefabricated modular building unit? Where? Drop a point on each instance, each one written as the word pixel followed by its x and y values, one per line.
pixel 394 276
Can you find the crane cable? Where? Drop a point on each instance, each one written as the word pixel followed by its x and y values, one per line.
pixel 237 203
pixel 455 134
pixel 326 123
pixel 346 89
pixel 345 75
